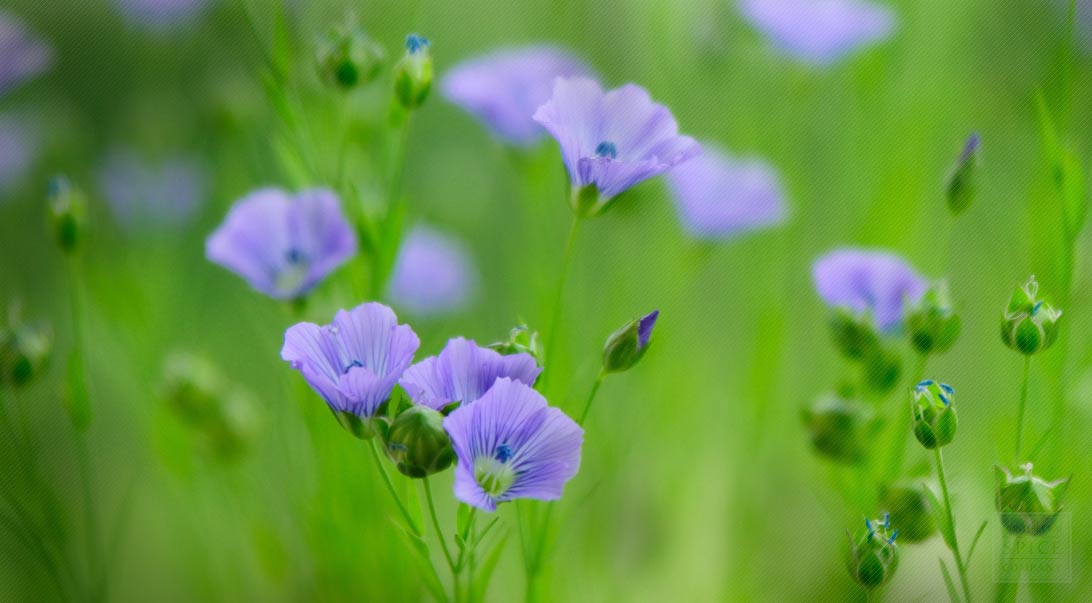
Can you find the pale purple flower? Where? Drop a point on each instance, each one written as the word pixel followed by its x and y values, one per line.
pixel 463 372
pixel 504 88
pixel 355 362
pixel 18 150
pixel 432 275
pixel 511 445
pixel 820 31
pixel 866 281
pixel 161 14
pixel 140 192
pixel 719 196
pixel 283 244
pixel 612 140
pixel 22 56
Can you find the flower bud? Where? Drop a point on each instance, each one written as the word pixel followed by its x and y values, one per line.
pixel 1028 504
pixel 934 416
pixel 854 334
pixel 67 213
pixel 963 183
pixel 192 387
pixel 873 557
pixel 521 340
pixel 626 346
pixel 418 444
pixel 347 57
pixel 232 429
pixel 911 510
pixel 881 369
pixel 1029 324
pixel 413 73
pixel 25 351
pixel 932 324
pixel 840 429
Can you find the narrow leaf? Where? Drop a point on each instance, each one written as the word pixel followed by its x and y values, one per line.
pixel 940 513
pixel 480 583
pixel 953 594
pixel 974 543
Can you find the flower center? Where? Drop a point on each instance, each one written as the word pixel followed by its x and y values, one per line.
pixel 606 149
pixel 493 473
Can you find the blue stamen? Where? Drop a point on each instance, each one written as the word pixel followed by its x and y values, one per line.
pixel 886 521
pixel 947 388
pixel 503 453
pixel 416 43
pixel 945 400
pixel 294 256
pixel 871 532
pixel 894 535
pixel 606 149
pixel 925 383
pixel 353 364
pixel 1038 304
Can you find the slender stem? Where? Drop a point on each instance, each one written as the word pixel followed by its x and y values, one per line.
pixel 390 233
pixel 552 336
pixel 1022 409
pixel 951 523
pixel 591 397
pixel 410 523
pixel 436 525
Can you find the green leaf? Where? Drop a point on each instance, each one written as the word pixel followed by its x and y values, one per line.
pixel 940 513
pixel 1073 193
pixel 423 560
pixel 462 517
pixel 76 400
pixel 480 583
pixel 974 543
pixel 953 594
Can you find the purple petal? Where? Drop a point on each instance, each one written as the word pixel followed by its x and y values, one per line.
pixel 463 372
pixel 18 150
pixel 820 31
pixel 161 15
pixel 644 328
pixel 140 193
pixel 718 196
pixel 868 281
pixel 432 275
pixel 22 56
pixel 503 89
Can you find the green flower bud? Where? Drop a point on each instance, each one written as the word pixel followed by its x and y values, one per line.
pixel 963 183
pixel 854 334
pixel 1029 324
pixel 840 429
pixel 1028 504
pixel 25 352
pixel 911 510
pixel 418 444
pixel 873 557
pixel 521 340
pixel 192 387
pixel 932 325
pixel 347 57
pixel 233 428
pixel 881 369
pixel 626 346
pixel 934 416
pixel 413 73
pixel 67 213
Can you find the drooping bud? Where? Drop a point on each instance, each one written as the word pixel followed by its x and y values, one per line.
pixel 910 509
pixel 25 351
pixel 1027 503
pixel 348 57
pixel 413 73
pixel 934 416
pixel 932 324
pixel 873 556
pixel 854 334
pixel 1030 324
pixel 67 213
pixel 418 444
pixel 840 429
pixel 521 340
pixel 626 346
pixel 963 183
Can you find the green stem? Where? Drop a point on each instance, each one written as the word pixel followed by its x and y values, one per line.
pixel 591 397
pixel 410 523
pixel 951 524
pixel 391 230
pixel 1021 411
pixel 89 509
pixel 436 525
pixel 555 313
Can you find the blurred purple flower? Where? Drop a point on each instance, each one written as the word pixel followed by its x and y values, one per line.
pixel 504 88
pixel 161 14
pixel 820 31
pixel 612 140
pixel 719 196
pixel 463 372
pixel 18 150
pixel 433 274
pixel 283 245
pixel 22 56
pixel 355 362
pixel 511 445
pixel 140 193
pixel 877 282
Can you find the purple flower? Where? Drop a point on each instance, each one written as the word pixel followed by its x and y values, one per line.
pixel 611 140
pixel 22 56
pixel 463 372
pixel 355 362
pixel 511 445
pixel 18 150
pixel 432 275
pixel 820 31
pixel 876 282
pixel 503 89
pixel 719 196
pixel 140 193
pixel 283 245
pixel 160 14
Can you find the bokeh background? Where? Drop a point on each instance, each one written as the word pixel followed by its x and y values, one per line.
pixel 698 481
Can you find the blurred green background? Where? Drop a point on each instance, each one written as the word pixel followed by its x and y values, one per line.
pixel 698 482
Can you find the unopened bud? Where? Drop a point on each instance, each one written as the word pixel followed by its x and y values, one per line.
pixel 626 346
pixel 413 73
pixel 1027 503
pixel 418 444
